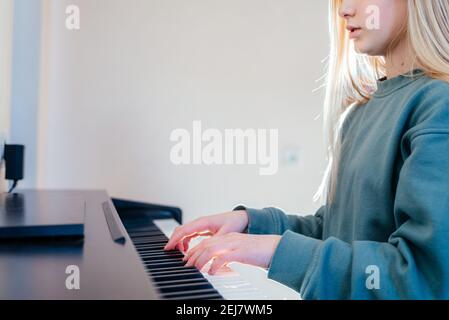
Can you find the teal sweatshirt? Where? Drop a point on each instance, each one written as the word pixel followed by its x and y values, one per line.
pixel 386 234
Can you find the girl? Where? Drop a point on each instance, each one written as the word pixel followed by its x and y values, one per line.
pixel 383 232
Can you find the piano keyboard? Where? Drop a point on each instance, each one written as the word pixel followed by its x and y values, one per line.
pixel 229 283
pixel 166 269
pixel 174 281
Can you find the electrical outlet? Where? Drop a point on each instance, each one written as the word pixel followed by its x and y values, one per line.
pixel 291 156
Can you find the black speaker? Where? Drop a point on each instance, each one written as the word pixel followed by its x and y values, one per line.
pixel 14 160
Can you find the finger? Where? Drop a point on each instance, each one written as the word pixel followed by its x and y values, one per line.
pixel 192 258
pixel 185 230
pixel 213 251
pixel 201 256
pixel 221 232
pixel 185 244
pixel 192 251
pixel 187 239
pixel 180 246
pixel 201 246
pixel 205 257
pixel 221 260
pixel 173 239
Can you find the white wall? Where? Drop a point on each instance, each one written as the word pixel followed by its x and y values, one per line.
pixel 25 80
pixel 6 10
pixel 139 69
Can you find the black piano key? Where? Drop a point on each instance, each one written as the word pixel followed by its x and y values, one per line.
pixel 177 276
pixel 181 294
pixel 171 285
pixel 167 270
pixel 145 247
pixel 153 241
pixel 160 255
pixel 157 273
pixel 148 234
pixel 181 287
pixel 150 247
pixel 179 268
pixel 137 229
pixel 162 259
pixel 149 250
pixel 145 235
pixel 160 283
pixel 212 296
pixel 171 252
pixel 162 265
pixel 149 231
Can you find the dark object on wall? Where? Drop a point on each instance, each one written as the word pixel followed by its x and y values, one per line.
pixel 14 161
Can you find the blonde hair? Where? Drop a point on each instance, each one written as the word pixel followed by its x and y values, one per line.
pixel 352 78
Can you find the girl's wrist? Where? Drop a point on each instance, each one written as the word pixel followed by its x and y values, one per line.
pixel 245 220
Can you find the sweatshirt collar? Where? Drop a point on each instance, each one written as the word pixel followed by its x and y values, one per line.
pixel 387 86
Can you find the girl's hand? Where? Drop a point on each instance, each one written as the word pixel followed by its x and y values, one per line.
pixel 219 224
pixel 256 250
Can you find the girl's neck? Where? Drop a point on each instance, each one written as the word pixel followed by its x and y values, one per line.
pixel 400 60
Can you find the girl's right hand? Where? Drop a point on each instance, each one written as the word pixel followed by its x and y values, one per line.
pixel 219 224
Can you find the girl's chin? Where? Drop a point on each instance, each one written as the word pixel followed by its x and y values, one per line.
pixel 362 48
pixel 359 49
pixel 369 46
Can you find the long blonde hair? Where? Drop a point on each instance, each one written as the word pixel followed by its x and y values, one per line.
pixel 352 78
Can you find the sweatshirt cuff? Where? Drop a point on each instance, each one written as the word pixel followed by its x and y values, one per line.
pixel 294 260
pixel 260 221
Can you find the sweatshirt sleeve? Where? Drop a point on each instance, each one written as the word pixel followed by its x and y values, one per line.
pixel 412 264
pixel 275 221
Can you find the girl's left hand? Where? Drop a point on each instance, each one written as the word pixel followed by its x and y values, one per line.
pixel 256 250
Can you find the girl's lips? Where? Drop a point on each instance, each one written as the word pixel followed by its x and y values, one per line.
pixel 354 33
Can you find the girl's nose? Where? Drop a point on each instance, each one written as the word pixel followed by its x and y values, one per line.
pixel 347 9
